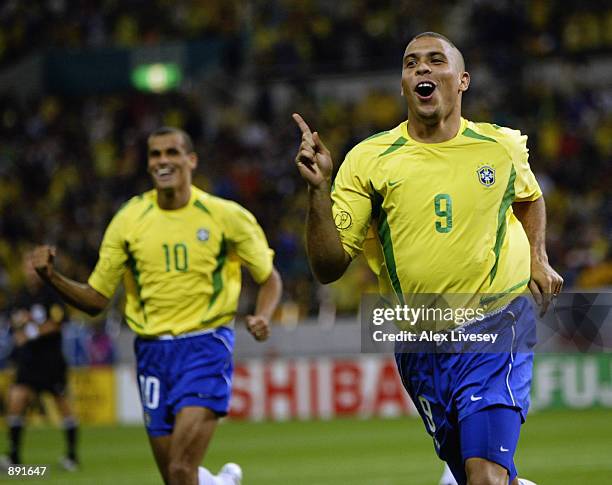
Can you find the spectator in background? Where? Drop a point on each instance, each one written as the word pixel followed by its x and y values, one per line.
pixel 100 347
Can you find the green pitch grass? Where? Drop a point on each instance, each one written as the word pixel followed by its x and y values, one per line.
pixel 557 447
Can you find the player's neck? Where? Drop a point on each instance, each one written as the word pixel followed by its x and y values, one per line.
pixel 439 131
pixel 175 198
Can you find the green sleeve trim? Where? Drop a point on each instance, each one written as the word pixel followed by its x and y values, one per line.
pixel 397 144
pixel 146 211
pixel 472 134
pixel 217 276
pixel 384 234
pixel 201 206
pixel 131 264
pixel 506 202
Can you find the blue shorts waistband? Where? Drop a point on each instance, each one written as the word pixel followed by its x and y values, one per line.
pixel 195 333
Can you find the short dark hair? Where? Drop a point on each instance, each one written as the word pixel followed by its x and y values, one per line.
pixel 170 130
pixel 436 35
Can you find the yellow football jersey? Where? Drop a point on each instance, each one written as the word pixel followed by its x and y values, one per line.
pixel 181 268
pixel 437 217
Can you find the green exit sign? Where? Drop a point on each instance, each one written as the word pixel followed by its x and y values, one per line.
pixel 157 78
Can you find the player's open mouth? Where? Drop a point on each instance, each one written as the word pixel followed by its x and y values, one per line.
pixel 164 173
pixel 424 90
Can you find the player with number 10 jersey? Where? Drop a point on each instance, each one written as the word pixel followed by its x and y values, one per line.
pixel 181 268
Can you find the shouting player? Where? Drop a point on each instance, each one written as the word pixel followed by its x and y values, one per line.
pixel 179 251
pixel 454 208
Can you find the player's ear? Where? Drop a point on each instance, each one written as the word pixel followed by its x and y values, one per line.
pixel 193 160
pixel 464 81
pixel 401 90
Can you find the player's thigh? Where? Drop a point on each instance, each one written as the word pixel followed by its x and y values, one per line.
pixel 415 371
pixel 193 430
pixel 19 398
pixel 160 446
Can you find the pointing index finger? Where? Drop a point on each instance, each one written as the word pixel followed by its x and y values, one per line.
pixel 302 124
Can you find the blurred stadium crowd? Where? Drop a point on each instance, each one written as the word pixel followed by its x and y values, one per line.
pixel 67 163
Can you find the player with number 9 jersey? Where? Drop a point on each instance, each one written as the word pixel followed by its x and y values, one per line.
pixel 448 213
pixel 456 202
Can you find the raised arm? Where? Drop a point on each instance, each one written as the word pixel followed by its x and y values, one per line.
pixel 545 281
pixel 328 259
pixel 79 295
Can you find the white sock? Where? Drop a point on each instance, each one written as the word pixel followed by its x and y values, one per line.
pixel 207 478
pixel 447 476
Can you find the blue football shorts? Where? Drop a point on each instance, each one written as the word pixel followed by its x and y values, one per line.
pixel 183 371
pixel 473 403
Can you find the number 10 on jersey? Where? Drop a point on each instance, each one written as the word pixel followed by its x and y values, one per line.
pixel 443 207
pixel 176 257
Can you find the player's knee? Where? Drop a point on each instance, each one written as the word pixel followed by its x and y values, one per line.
pixel 181 471
pixel 484 472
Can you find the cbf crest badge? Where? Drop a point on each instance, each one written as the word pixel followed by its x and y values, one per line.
pixel 486 175
pixel 202 234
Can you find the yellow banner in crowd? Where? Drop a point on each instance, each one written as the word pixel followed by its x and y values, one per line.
pixel 92 392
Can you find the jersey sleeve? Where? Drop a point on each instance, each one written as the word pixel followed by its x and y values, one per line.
pixel 249 242
pixel 111 260
pixel 526 187
pixel 351 206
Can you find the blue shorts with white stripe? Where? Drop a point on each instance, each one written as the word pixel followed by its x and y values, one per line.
pixel 448 386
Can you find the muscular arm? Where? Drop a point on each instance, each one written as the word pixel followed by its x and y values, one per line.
pixel 79 295
pixel 327 257
pixel 545 281
pixel 532 216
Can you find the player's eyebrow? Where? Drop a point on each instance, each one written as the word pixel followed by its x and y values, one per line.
pixel 421 54
pixel 170 150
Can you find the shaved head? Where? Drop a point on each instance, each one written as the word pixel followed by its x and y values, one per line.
pixel 433 82
pixel 458 56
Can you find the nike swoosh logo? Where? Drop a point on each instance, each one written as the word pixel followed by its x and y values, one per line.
pixel 391 184
pixel 475 398
pixel 502 449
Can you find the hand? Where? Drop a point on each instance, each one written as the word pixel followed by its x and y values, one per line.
pixel 545 284
pixel 19 318
pixel 42 260
pixel 258 326
pixel 313 159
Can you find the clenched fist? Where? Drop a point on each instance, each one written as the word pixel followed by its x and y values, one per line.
pixel 258 326
pixel 42 259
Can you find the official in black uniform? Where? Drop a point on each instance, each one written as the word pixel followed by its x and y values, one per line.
pixel 36 318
